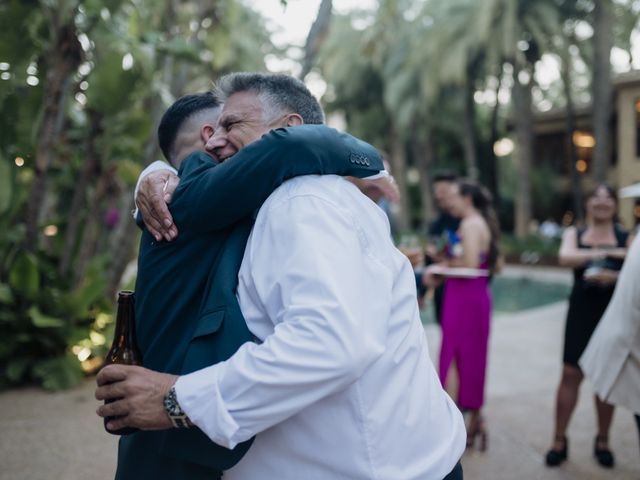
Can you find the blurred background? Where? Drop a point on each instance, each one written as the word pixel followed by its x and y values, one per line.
pixel 536 99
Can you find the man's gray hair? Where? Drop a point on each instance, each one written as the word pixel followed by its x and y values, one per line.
pixel 280 94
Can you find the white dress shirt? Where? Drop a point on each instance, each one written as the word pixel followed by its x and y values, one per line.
pixel 341 386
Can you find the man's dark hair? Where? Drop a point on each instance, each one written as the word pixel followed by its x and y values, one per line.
pixel 445 176
pixel 280 94
pixel 178 113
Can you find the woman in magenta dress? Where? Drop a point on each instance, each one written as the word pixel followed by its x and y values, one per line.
pixel 466 310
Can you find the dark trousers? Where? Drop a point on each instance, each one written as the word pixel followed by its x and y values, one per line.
pixel 456 473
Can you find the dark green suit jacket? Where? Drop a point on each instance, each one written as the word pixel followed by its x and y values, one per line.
pixel 187 314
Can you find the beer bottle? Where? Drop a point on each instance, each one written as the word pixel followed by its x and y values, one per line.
pixel 124 350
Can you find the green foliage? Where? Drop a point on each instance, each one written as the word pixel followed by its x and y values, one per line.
pixel 516 246
pixel 6 185
pixel 24 276
pixel 56 294
pixel 40 325
pixel 111 85
pixel 58 373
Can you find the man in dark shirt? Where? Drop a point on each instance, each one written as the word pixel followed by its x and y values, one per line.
pixel 439 231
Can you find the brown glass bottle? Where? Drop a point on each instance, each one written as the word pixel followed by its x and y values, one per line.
pixel 124 350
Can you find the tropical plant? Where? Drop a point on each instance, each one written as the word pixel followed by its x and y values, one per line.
pixel 82 86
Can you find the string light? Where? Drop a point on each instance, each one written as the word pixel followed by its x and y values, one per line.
pixel 51 230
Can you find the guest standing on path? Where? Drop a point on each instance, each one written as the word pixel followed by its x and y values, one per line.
pixel 596 254
pixel 444 185
pixel 466 309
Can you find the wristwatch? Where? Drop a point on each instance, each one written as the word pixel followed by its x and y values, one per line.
pixel 178 418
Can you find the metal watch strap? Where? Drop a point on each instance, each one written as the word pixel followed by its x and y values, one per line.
pixel 180 422
pixel 178 418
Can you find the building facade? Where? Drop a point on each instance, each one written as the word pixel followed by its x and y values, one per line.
pixel 552 150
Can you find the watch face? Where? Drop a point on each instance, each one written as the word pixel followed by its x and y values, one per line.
pixel 171 404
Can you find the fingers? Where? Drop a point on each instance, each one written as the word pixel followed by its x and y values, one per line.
pixel 170 187
pixel 154 227
pixel 136 397
pixel 119 408
pixel 119 423
pixel 111 374
pixel 118 414
pixel 156 189
pixel 152 224
pixel 112 391
pixel 161 218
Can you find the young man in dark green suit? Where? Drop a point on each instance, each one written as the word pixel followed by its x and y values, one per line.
pixel 187 315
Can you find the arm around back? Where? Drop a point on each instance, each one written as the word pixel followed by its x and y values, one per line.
pixel 210 198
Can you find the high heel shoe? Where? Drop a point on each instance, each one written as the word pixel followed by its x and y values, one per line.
pixel 476 428
pixel 556 457
pixel 603 455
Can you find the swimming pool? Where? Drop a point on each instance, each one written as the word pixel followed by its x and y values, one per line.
pixel 513 294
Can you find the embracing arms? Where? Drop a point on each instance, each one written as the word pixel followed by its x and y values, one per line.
pixel 210 198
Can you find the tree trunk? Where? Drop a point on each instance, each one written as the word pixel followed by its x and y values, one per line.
pixel 92 228
pixel 398 162
pixel 570 126
pixel 77 211
pixel 423 155
pixel 492 166
pixel 316 37
pixel 469 139
pixel 121 245
pixel 63 59
pixel 522 110
pixel 122 241
pixel 602 88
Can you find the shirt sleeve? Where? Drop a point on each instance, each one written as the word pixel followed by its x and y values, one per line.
pixel 214 198
pixel 155 166
pixel 307 272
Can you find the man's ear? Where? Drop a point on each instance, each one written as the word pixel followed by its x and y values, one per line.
pixel 206 132
pixel 293 120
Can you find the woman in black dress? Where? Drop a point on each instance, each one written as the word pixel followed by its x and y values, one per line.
pixel 596 254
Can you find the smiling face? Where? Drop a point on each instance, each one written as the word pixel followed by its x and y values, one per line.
pixel 243 121
pixel 601 205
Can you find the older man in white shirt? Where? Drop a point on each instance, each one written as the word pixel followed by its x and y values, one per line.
pixel 339 384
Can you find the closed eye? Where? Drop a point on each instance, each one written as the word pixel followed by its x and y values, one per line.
pixel 229 122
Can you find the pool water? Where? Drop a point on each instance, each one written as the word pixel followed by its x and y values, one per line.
pixel 513 295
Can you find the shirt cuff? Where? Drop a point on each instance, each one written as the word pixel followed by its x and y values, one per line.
pixel 199 397
pixel 380 174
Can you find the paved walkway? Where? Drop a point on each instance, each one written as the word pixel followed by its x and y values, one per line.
pixel 57 436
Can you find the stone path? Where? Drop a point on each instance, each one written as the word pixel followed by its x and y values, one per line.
pixel 524 368
pixel 47 436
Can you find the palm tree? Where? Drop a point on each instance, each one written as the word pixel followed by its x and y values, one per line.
pixel 602 88
pixel 316 37
pixel 61 60
pixel 479 36
pixel 576 177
